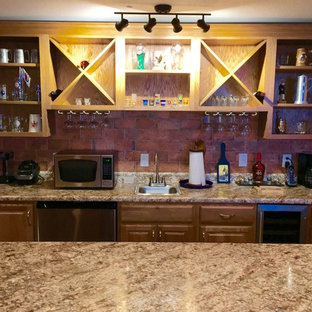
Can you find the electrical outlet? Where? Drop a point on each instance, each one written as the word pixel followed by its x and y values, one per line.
pixel 284 159
pixel 144 160
pixel 242 159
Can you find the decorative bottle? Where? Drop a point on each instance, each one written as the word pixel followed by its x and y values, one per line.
pixel 223 167
pixel 258 171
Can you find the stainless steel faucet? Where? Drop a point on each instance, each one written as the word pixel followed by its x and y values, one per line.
pixel 158 181
pixel 157 178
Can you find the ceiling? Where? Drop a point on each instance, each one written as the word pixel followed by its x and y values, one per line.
pixel 103 10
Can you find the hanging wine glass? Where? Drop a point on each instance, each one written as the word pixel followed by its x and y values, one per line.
pixel 82 123
pixel 69 122
pixel 106 122
pixel 93 123
pixel 220 127
pixel 245 128
pixel 234 127
pixel 208 125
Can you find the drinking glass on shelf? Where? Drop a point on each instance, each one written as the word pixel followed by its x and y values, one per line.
pixel 244 100
pixel 233 99
pixel 224 100
pixel 16 125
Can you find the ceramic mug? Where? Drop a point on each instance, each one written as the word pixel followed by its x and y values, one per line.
pixel 5 55
pixel 34 123
pixel 20 56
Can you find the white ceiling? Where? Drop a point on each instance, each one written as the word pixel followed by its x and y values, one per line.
pixel 103 10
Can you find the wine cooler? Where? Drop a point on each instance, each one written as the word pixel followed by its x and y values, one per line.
pixel 282 223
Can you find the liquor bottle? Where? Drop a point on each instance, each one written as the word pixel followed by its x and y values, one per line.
pixel 258 171
pixel 281 92
pixel 223 167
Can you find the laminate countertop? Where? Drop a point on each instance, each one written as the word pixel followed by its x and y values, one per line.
pixel 160 277
pixel 123 192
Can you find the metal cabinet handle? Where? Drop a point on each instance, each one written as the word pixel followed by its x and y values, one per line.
pixel 159 233
pixel 204 237
pixel 153 234
pixel 226 216
pixel 28 214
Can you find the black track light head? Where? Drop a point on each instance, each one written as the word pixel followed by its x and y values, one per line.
pixel 122 24
pixel 203 25
pixel 150 24
pixel 176 24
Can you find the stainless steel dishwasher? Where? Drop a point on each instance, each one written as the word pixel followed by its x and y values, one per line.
pixel 77 221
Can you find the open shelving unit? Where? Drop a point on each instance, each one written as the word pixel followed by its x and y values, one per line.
pixel 289 73
pixel 96 81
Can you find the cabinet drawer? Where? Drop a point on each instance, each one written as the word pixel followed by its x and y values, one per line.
pixel 145 212
pixel 228 234
pixel 228 214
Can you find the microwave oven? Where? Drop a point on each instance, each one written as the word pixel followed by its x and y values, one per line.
pixel 305 169
pixel 83 169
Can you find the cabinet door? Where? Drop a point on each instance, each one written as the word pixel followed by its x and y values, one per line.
pixel 176 233
pixel 227 234
pixel 137 233
pixel 16 222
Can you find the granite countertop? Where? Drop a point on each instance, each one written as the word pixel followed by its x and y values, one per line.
pixel 160 277
pixel 222 193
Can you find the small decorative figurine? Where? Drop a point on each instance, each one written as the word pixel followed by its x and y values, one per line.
pixel 140 51
pixel 159 61
pixel 177 57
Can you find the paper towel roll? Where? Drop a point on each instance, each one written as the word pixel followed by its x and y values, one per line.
pixel 196 168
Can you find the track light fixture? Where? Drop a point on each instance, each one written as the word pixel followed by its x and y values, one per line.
pixel 176 24
pixel 150 24
pixel 164 10
pixel 203 25
pixel 122 24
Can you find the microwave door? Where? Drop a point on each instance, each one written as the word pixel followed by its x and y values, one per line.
pixel 77 172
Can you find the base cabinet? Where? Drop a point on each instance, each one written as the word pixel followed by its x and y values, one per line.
pixel 223 223
pixel 16 221
pixel 145 222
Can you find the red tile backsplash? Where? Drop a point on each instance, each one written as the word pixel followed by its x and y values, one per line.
pixel 170 134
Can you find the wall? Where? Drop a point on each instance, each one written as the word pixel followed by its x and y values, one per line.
pixel 170 134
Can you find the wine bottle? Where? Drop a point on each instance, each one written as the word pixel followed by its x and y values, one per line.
pixel 223 167
pixel 258 171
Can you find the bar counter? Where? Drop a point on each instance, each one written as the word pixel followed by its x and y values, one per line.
pixel 160 277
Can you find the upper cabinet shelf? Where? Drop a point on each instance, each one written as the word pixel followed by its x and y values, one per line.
pixel 19 65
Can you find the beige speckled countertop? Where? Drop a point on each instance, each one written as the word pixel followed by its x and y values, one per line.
pixel 160 277
pixel 125 192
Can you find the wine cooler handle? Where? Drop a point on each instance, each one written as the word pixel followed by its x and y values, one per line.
pixel 226 216
pixel 28 213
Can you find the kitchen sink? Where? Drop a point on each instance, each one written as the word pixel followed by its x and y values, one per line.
pixel 167 190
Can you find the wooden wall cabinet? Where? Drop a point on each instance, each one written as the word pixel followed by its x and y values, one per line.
pixel 224 223
pixel 151 222
pixel 17 221
pixel 17 106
